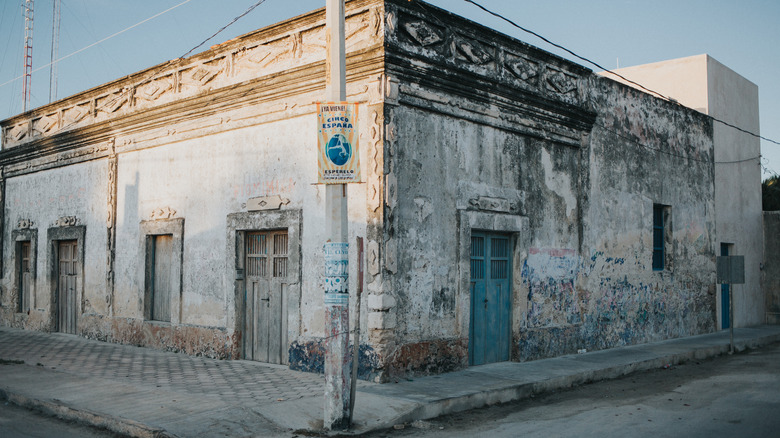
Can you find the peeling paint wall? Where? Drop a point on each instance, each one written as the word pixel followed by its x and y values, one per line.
pixel 215 137
pixel 461 129
pixel 466 154
pixel 703 83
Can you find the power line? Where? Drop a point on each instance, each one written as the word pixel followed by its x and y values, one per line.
pixel 101 41
pixel 251 8
pixel 673 154
pixel 497 15
pixel 180 58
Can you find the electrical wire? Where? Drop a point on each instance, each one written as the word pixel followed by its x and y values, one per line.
pixel 180 58
pixel 251 8
pixel 655 149
pixel 101 41
pixel 606 70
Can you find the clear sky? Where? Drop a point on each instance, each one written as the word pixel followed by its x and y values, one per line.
pixel 742 34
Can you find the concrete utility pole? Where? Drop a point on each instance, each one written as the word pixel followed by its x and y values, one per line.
pixel 336 249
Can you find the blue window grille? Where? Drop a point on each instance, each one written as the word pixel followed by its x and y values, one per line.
pixel 658 237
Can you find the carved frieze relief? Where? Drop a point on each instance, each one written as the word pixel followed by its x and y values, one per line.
pixel 372 257
pixel 44 124
pixel 202 74
pixel 375 149
pixel 75 114
pixel 155 89
pixel 313 43
pixel 523 69
pixel 354 26
pixel 262 203
pixel 163 213
pixel 18 132
pixel 113 102
pixel 562 84
pixel 493 204
pixel 391 21
pixel 471 51
pixel 66 221
pixel 375 21
pixel 424 33
pixel 265 54
pixel 24 224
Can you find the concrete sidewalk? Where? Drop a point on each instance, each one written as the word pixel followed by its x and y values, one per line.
pixel 143 392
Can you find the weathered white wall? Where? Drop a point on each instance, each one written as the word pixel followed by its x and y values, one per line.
pixel 204 180
pixel 644 152
pixel 44 197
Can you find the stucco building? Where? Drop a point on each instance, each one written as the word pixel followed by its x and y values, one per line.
pixel 515 205
pixel 704 84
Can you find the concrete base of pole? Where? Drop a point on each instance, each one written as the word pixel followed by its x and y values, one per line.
pixel 337 370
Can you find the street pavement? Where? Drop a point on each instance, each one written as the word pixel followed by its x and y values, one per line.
pixel 149 393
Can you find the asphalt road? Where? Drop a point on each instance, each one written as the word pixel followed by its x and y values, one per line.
pixel 16 422
pixel 726 396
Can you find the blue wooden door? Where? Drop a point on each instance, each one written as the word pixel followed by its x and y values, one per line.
pixel 491 298
pixel 724 294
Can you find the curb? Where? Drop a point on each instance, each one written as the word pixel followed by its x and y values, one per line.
pixel 55 408
pixel 526 390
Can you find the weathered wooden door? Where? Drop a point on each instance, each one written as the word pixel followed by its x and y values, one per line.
pixel 25 278
pixel 67 273
pixel 162 255
pixel 265 297
pixel 491 299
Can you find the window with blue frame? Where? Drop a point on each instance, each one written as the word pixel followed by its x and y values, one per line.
pixel 660 228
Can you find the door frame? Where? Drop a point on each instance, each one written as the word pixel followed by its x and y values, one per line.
pixel 487 280
pixel 277 301
pixel 723 302
pixel 18 236
pixel 514 226
pixel 53 237
pixel 238 224
pixel 149 229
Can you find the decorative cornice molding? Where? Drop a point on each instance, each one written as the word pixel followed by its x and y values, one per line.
pixel 268 52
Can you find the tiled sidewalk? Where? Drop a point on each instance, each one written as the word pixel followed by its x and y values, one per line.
pixel 148 393
pixel 230 379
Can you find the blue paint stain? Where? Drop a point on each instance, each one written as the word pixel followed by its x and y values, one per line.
pixel 310 357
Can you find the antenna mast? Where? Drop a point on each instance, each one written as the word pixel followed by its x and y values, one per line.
pixel 28 35
pixel 55 45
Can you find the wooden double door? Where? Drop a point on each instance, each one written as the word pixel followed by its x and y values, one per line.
pixel 266 297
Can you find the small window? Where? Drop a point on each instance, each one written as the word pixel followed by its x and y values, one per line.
pixel 25 276
pixel 661 236
pixel 267 254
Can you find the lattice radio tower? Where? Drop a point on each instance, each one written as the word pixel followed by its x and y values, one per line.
pixel 55 43
pixel 27 8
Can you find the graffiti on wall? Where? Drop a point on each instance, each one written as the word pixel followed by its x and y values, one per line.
pixel 550 276
pixel 602 301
